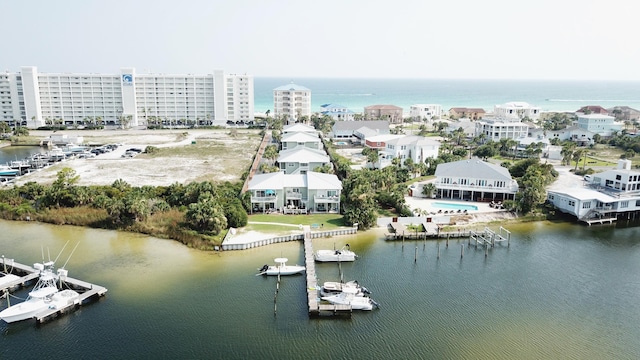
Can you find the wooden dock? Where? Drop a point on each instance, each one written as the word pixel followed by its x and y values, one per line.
pixel 315 307
pixel 28 274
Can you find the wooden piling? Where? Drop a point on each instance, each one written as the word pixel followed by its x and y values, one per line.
pixel 415 255
pixel 461 251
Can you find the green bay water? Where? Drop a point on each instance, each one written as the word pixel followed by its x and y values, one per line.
pixel 559 291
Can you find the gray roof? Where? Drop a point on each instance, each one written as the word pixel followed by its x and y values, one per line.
pixel 473 168
pixel 280 180
pixel 298 127
pixel 413 139
pixel 299 137
pixel 355 125
pixel 303 154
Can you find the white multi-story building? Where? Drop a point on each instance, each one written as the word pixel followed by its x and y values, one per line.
pixel 605 197
pixel 604 125
pixel 36 99
pixel 416 148
pixel 292 101
pixel 496 129
pixel 425 111
pixel 516 110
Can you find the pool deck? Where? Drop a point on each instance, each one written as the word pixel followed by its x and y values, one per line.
pixel 425 204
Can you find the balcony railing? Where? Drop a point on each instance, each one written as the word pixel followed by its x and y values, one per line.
pixel 454 186
pixel 294 195
pixel 326 199
pixel 264 198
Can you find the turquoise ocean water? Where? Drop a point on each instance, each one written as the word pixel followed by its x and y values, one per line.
pixel 548 95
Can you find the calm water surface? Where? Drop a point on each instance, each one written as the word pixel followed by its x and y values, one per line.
pixel 559 291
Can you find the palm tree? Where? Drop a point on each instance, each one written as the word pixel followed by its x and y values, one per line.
pixel 428 189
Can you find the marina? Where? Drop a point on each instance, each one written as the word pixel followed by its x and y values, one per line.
pixel 550 295
pixel 27 274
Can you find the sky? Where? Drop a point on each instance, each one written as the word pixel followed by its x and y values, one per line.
pixel 446 39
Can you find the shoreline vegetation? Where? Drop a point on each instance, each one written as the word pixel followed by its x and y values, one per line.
pixel 198 200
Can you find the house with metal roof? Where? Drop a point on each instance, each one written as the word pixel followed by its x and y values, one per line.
pixel 292 140
pixel 301 159
pixel 299 127
pixel 295 193
pixel 358 130
pixel 337 112
pixel 474 180
pixel 606 196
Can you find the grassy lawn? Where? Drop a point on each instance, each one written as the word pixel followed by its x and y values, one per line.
pixel 329 221
pixel 591 161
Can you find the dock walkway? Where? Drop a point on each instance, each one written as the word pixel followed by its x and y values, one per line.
pixel 315 307
pixel 28 274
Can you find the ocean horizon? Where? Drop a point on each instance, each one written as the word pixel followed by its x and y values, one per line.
pixel 549 95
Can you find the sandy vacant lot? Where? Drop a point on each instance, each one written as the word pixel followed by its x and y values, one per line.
pixel 185 156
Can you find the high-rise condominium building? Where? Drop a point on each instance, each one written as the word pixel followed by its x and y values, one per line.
pixel 292 101
pixel 33 99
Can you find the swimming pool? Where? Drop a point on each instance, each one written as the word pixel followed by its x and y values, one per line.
pixel 450 206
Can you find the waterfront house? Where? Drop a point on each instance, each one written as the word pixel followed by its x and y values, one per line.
pixel 337 112
pixel 295 193
pixel 474 180
pixel 291 140
pixel 301 159
pixel 391 113
pixel 291 101
pixel 606 196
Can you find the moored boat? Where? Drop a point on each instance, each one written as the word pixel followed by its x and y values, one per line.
pixel 334 287
pixel 281 268
pixel 8 171
pixel 348 297
pixel 45 295
pixel 344 254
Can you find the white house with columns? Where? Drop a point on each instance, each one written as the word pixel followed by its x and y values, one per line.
pixel 474 180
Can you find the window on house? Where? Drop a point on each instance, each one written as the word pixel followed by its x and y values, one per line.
pixel 624 204
pixel 586 205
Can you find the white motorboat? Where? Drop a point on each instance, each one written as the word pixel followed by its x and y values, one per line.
pixel 8 171
pixel 348 296
pixel 45 295
pixel 344 254
pixel 8 278
pixel 333 288
pixel 281 268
